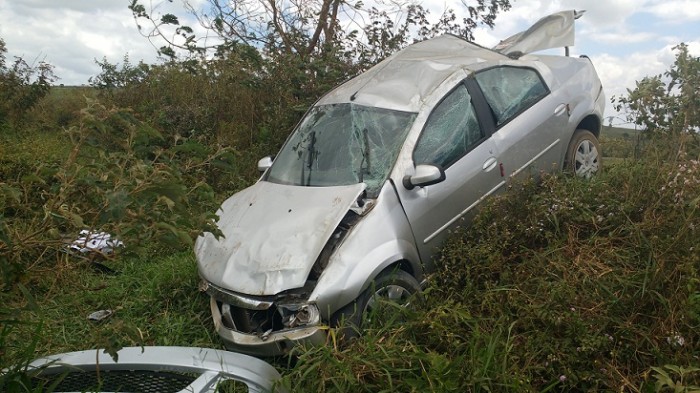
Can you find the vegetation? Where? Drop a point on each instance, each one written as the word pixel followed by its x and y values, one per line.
pixel 563 284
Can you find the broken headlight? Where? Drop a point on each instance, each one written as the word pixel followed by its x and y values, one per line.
pixel 294 315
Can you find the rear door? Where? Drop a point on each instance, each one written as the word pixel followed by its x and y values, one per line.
pixel 528 118
pixel 455 139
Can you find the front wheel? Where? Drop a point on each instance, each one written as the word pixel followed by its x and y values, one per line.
pixel 583 156
pixel 395 286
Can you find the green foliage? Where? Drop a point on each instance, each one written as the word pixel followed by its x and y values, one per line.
pixel 442 348
pixel 667 106
pixel 21 85
pixel 597 275
pixel 111 77
pixel 121 176
pixel 671 378
pixel 239 100
pixel 154 302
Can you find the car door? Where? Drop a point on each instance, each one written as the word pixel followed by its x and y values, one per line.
pixel 529 119
pixel 454 139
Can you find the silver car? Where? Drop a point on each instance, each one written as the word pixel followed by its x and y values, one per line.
pixel 370 182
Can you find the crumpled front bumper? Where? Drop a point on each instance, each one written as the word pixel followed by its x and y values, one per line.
pixel 275 344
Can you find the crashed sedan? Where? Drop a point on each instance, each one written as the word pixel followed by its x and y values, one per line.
pixel 370 182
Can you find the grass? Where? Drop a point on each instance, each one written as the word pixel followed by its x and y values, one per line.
pixel 562 285
pixel 155 302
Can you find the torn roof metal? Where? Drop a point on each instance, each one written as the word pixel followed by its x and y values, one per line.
pixel 552 31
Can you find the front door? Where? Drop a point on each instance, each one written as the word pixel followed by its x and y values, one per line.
pixel 453 139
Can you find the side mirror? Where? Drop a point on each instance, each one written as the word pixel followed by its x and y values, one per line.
pixel 264 163
pixel 425 175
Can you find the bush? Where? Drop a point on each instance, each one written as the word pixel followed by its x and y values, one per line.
pixel 598 278
pixel 120 176
pixel 21 85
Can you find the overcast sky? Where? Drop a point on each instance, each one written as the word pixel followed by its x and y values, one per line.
pixel 626 39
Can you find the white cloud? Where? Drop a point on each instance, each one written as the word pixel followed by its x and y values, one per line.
pixel 71 34
pixel 622 37
pixel 605 13
pixel 676 10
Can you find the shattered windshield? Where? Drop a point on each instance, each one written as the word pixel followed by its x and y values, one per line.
pixel 342 144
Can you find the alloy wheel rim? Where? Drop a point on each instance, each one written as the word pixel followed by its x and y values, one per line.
pixel 586 159
pixel 393 293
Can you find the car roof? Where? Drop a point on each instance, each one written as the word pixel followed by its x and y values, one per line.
pixel 403 80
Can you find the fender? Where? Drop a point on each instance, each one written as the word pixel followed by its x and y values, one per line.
pixel 382 238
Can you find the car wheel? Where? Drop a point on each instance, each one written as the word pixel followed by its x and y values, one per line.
pixel 391 285
pixel 583 156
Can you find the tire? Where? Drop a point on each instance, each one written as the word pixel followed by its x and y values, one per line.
pixel 394 285
pixel 583 156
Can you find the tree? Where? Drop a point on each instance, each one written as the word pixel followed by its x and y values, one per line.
pixel 668 102
pixel 112 77
pixel 667 106
pixel 308 29
pixel 21 85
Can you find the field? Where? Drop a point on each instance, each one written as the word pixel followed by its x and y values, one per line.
pixel 562 284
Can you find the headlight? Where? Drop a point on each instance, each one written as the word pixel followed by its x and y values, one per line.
pixel 294 315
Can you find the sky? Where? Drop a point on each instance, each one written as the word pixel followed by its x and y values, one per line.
pixel 625 39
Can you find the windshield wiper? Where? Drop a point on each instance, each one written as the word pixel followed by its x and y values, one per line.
pixel 365 155
pixel 310 162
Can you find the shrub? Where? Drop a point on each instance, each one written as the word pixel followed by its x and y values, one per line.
pixel 120 176
pixel 21 85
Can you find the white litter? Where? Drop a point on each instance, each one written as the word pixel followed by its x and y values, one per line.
pixel 101 242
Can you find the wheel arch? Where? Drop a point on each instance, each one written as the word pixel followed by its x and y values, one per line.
pixel 591 123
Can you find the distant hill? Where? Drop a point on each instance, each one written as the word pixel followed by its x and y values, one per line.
pixel 618 132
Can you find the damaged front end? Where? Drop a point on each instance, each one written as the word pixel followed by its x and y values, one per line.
pixel 253 316
pixel 264 325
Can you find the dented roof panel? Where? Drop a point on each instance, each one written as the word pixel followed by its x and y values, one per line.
pixel 404 80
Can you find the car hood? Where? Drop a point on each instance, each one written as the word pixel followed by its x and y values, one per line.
pixel 273 234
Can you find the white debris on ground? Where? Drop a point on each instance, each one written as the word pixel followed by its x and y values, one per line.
pixel 100 315
pixel 101 242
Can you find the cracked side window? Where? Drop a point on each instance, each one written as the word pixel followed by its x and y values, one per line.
pixel 450 132
pixel 510 90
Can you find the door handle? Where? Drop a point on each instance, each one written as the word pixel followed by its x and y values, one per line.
pixel 490 164
pixel 561 108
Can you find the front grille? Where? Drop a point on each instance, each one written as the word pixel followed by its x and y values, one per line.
pixel 117 381
pixel 250 321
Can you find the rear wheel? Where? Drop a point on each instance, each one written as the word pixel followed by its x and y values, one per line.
pixel 583 156
pixel 395 286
